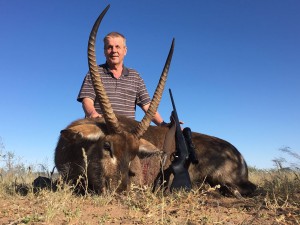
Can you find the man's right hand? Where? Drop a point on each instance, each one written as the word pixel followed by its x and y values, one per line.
pixel 89 109
pixel 94 115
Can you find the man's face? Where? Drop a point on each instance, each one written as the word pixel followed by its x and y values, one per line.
pixel 114 50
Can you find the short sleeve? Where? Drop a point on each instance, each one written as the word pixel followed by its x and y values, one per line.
pixel 87 89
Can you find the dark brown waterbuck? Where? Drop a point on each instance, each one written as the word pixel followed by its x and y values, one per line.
pixel 113 151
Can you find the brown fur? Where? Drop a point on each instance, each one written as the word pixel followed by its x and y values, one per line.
pixel 106 168
pixel 219 161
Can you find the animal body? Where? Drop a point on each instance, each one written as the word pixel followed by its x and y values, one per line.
pixel 111 164
pixel 113 151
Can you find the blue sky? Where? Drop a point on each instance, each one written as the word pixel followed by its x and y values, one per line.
pixel 235 72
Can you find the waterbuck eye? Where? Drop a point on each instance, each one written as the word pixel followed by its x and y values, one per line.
pixel 106 146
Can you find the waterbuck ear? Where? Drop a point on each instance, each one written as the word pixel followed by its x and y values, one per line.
pixel 82 132
pixel 147 149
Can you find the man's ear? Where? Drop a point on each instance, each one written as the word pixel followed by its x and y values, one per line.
pixel 147 149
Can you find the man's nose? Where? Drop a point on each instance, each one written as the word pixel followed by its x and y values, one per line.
pixel 114 49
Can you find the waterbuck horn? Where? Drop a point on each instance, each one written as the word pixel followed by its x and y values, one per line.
pixel 108 114
pixel 144 124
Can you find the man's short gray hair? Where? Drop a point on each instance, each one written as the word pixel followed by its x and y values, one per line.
pixel 114 34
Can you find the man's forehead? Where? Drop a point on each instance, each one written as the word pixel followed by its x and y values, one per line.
pixel 114 40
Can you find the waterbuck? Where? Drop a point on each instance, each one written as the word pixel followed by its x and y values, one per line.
pixel 112 151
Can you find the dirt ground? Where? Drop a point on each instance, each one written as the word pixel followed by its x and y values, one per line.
pixel 143 208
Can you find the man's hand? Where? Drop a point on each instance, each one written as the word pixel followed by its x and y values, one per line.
pixel 89 109
pixel 94 115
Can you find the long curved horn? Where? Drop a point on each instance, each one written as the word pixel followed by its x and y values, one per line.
pixel 144 124
pixel 108 114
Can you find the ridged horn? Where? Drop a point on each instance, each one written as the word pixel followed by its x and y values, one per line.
pixel 108 114
pixel 144 124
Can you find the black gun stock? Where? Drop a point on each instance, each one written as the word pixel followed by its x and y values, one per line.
pixel 179 166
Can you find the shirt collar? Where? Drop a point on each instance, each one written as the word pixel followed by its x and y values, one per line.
pixel 105 66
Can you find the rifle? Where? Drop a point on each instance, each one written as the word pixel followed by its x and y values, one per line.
pixel 183 156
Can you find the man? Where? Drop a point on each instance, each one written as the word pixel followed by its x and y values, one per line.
pixel 124 87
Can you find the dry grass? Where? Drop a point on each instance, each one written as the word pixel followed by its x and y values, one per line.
pixel 277 201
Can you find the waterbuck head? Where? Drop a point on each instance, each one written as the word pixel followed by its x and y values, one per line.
pixel 107 144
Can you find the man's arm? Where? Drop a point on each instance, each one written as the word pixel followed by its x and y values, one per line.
pixel 157 119
pixel 89 109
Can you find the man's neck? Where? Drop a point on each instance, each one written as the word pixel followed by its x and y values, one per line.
pixel 116 70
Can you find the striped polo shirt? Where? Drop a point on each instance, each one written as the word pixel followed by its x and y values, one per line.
pixel 124 93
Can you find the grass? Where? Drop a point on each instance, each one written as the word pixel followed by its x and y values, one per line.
pixel 277 201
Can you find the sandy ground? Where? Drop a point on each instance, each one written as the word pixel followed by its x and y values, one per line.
pixel 209 208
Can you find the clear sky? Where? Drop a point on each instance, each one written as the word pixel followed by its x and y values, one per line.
pixel 235 72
